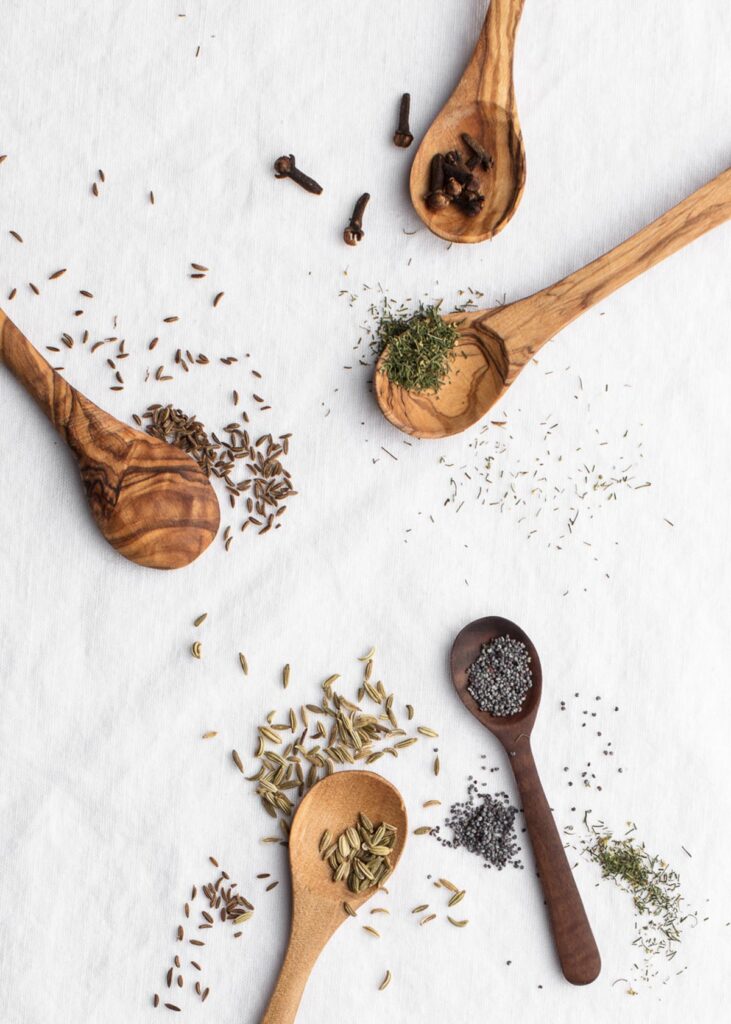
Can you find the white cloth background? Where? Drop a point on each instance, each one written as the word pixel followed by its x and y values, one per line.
pixel 110 801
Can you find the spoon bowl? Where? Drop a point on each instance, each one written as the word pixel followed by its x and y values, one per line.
pixel 483 106
pixel 150 500
pixel 317 901
pixel 494 345
pixel 464 651
pixel 577 950
pixel 498 132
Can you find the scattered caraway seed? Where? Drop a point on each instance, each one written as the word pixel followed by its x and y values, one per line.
pixel 237 761
pixel 217 299
pixel 244 664
pixel 209 735
pixel 56 274
pixel 200 620
pixel 16 236
pixel 457 924
pixel 371 931
pixel 386 981
pixel 267 484
pixel 349 910
pixel 417 350
pixel 196 649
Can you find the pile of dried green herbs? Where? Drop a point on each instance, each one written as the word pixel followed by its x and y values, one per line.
pixel 653 885
pixel 417 349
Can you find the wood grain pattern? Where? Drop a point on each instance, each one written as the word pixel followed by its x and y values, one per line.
pixel 496 344
pixel 483 104
pixel 317 901
pixel 575 944
pixel 150 500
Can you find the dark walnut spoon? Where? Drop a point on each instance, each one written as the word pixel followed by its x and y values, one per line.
pixel 150 500
pixel 483 105
pixel 577 950
pixel 495 344
pixel 317 901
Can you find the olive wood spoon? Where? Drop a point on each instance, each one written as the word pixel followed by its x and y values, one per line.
pixel 483 105
pixel 150 500
pixel 495 344
pixel 577 950
pixel 317 901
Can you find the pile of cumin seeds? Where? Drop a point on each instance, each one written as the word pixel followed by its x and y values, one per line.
pixel 225 905
pixel 265 485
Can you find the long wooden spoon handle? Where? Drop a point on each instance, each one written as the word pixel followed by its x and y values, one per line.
pixel 48 388
pixel 577 950
pixel 493 56
pixel 302 953
pixel 540 316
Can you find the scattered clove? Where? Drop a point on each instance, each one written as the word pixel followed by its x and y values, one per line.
pixel 285 167
pixel 354 232
pixel 402 136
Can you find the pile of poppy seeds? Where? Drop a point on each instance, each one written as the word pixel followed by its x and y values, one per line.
pixel 500 676
pixel 484 824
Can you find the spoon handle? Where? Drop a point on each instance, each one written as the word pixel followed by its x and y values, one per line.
pixel 492 61
pixel 312 926
pixel 577 950
pixel 48 388
pixel 536 319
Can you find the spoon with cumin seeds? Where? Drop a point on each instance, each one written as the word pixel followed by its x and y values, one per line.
pixel 333 804
pixel 150 500
pixel 494 345
pixel 575 944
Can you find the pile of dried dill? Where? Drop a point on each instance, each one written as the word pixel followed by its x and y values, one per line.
pixel 417 349
pixel 653 885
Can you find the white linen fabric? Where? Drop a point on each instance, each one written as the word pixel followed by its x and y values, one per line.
pixel 110 801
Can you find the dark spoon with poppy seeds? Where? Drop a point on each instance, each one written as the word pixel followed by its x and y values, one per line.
pixel 150 500
pixel 577 950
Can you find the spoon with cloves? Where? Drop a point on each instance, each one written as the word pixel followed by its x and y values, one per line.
pixel 577 950
pixel 151 501
pixel 494 345
pixel 482 108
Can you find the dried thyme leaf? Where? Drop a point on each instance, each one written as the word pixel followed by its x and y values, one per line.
pixel 418 349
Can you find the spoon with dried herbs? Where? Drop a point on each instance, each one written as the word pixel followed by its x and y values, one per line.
pixel 363 817
pixel 471 203
pixel 492 346
pixel 497 674
pixel 150 500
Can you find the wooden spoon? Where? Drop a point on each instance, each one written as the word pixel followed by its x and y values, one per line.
pixel 151 501
pixel 483 105
pixel 495 344
pixel 577 950
pixel 317 901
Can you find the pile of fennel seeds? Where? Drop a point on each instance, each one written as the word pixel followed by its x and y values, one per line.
pixel 314 740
